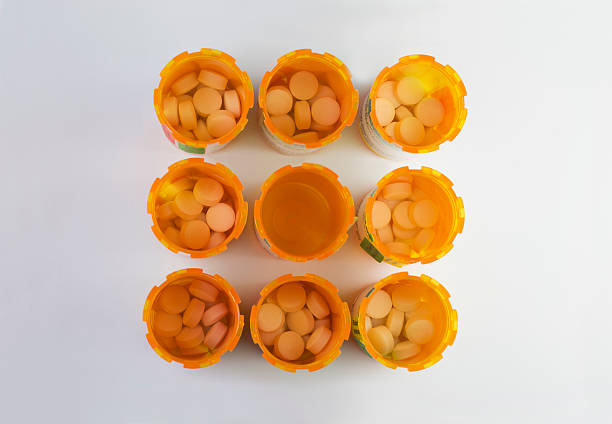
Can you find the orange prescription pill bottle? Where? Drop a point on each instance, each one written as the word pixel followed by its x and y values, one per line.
pixel 168 350
pixel 186 63
pixel 434 305
pixel 426 183
pixel 182 176
pixel 439 81
pixel 303 213
pixel 331 73
pixel 339 322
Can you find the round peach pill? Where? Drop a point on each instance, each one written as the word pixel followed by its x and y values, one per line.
pixel 167 325
pixel 303 85
pixel 214 313
pixel 270 317
pixel 387 91
pixel 404 350
pixel 220 217
pixel 184 84
pixel 419 330
pixel 220 122
pixel 409 90
pixel 201 131
pixel 193 313
pixel 289 345
pixel 381 214
pixel 186 206
pixel 283 123
pixel 215 335
pixel 190 337
pixel 385 112
pixel 397 191
pixel 401 215
pixel 410 131
pixel 187 114
pixel 379 304
pixel 325 111
pixel 208 191
pixel 171 110
pixel 291 297
pixel 430 111
pixel 302 321
pixel 172 234
pixel 231 102
pixel 424 213
pixel 318 340
pixel 382 339
pixel 203 290
pixel 317 304
pixel 206 100
pixel 301 113
pixel 212 79
pixel 279 100
pixel 173 299
pixel 195 234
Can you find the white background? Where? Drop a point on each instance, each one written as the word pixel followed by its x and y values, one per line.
pixel 81 146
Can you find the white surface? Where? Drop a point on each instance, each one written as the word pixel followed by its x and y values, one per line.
pixel 528 276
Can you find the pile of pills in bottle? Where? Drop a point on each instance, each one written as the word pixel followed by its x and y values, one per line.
pixel 305 109
pixel 295 321
pixel 405 110
pixel 195 213
pixel 404 217
pixel 190 318
pixel 398 323
pixel 202 105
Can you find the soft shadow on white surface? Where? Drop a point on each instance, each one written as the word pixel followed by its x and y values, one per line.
pixel 81 147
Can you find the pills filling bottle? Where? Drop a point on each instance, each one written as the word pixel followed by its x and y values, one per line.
pixel 197 208
pixel 426 321
pixel 303 308
pixel 413 107
pixel 303 213
pixel 193 318
pixel 306 101
pixel 202 100
pixel 409 195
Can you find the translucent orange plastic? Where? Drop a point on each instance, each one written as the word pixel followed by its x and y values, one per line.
pixel 444 318
pixel 235 320
pixel 450 222
pixel 330 71
pixel 214 60
pixel 303 213
pixel 441 82
pixel 197 167
pixel 340 323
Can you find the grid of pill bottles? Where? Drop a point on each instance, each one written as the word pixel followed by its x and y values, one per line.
pixel 191 318
pixel 404 217
pixel 203 105
pixel 398 323
pixel 295 322
pixel 303 107
pixel 405 110
pixel 195 213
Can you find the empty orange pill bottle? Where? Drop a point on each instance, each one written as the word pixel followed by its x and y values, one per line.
pixel 182 176
pixel 235 321
pixel 339 321
pixel 303 213
pixel 440 82
pixel 213 60
pixel 441 313
pixel 330 71
pixel 433 185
